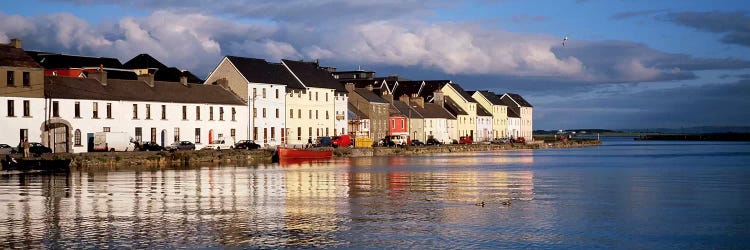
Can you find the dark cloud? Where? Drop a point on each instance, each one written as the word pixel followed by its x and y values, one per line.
pixel 631 14
pixel 740 76
pixel 685 106
pixel 734 26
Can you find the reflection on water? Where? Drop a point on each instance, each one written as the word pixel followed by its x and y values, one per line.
pixel 591 197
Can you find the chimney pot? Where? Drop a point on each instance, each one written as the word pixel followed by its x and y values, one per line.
pixel 183 80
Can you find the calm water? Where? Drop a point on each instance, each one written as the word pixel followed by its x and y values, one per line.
pixel 624 194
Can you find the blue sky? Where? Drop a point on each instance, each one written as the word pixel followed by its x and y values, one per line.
pixel 627 64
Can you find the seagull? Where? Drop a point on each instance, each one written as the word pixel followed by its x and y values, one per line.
pixel 565 39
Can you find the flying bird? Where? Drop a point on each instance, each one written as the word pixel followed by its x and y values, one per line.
pixel 565 39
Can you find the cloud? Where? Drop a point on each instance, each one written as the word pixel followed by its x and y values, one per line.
pixel 734 26
pixel 631 14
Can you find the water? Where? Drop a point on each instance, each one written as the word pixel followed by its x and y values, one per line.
pixel 624 194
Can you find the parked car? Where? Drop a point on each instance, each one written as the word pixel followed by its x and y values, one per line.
pixel 465 140
pixel 416 143
pixel 519 140
pixel 151 146
pixel 246 144
pixel 499 140
pixel 35 148
pixel 323 141
pixel 6 149
pixel 433 141
pixel 182 145
pixel 394 140
pixel 342 141
pixel 219 145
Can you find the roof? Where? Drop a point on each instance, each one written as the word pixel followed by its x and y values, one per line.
pixel 519 99
pixel 144 61
pixel 462 92
pixel 431 86
pixel 119 74
pixel 512 107
pixel 393 111
pixel 60 61
pixel 404 108
pixel 481 111
pixel 512 113
pixel 432 110
pixel 369 95
pixel 491 97
pixel 362 83
pixel 409 88
pixel 358 114
pixel 261 71
pixel 453 107
pixel 11 56
pixel 132 90
pixel 313 76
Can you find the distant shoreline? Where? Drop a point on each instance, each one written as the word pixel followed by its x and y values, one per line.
pixel 696 137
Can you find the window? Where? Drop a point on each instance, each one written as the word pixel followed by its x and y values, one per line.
pixel 11 109
pixel 24 134
pixel 327 132
pixel 255 133
pixel 55 109
pixel 184 112
pixel 163 112
pixel 77 110
pixel 255 93
pixel 27 108
pixel 153 135
pixel 327 115
pixel 197 113
pixel 299 133
pixel 109 110
pixel 138 134
pixel 176 134
pixel 148 111
pixel 210 113
pixel 277 113
pixel 326 97
pixel 282 135
pixel 309 114
pixel 265 135
pixel 309 132
pixel 106 129
pixel 234 113
pixel 135 111
pixel 273 133
pixel 9 79
pixel 197 135
pixel 316 96
pixel 299 113
pixel 291 113
pixel 264 93
pixel 316 114
pixel 232 132
pixel 393 124
pixel 221 113
pixel 277 94
pixel 309 96
pixel 264 112
pixel 77 137
pixel 26 79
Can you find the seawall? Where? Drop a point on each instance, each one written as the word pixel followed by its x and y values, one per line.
pixel 164 159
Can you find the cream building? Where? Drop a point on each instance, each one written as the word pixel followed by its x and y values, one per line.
pixel 493 104
pixel 525 112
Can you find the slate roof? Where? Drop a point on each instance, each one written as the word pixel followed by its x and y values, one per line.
pixel 119 74
pixel 60 61
pixel 492 97
pixel 407 88
pixel 261 71
pixel 481 111
pixel 453 107
pixel 393 111
pixel 513 113
pixel 362 83
pixel 404 109
pixel 369 95
pixel 357 114
pixel 431 86
pixel 164 73
pixel 432 110
pixel 313 76
pixel 129 90
pixel 14 57
pixel 511 106
pixel 519 100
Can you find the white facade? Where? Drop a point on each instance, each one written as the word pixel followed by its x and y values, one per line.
pixel 484 128
pixel 267 107
pixel 341 109
pixel 514 127
pixel 437 128
pixel 159 122
pixel 452 130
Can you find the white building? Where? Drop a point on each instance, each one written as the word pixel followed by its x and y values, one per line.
pixel 484 125
pixel 514 124
pixel 525 112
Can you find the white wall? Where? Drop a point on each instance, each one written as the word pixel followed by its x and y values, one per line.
pixel 514 127
pixel 270 126
pixel 484 128
pixel 341 110
pixel 437 128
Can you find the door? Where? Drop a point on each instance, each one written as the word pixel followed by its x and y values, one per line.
pixel 163 137
pixel 90 142
pixel 210 136
pixel 59 133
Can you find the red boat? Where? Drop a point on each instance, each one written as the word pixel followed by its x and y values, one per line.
pixel 293 153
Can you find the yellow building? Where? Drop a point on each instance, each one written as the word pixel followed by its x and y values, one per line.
pixel 492 103
pixel 457 101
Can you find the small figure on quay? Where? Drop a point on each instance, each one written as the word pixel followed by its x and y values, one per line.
pixel 26 148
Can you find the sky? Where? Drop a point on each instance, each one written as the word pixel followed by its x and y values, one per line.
pixel 626 64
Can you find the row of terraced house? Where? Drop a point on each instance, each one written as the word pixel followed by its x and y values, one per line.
pixel 61 100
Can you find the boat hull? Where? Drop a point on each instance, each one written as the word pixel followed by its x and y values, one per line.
pixel 293 153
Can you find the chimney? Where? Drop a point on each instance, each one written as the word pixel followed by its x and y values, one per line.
pixel 15 42
pixel 223 82
pixel 99 75
pixel 404 98
pixel 183 80
pixel 349 87
pixel 148 78
pixel 388 97
pixel 438 98
pixel 418 100
pixel 369 87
